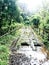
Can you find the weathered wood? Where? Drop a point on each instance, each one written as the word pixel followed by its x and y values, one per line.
pixel 19 59
pixel 28 39
pixel 13 45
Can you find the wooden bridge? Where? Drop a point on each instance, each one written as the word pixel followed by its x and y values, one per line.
pixel 27 49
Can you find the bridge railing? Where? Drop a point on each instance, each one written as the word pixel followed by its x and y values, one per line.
pixel 8 37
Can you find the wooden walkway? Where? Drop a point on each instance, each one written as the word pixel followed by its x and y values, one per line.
pixel 24 49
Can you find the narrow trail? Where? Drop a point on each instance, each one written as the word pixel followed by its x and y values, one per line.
pixel 27 49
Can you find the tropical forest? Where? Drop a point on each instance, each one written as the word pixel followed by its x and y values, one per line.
pixel 24 32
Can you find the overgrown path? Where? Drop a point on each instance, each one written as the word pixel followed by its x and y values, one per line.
pixel 27 49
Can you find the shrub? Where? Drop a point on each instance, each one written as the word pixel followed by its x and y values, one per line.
pixel 3 48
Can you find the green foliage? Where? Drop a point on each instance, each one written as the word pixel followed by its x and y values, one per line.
pixel 46 27
pixel 3 63
pixel 36 22
pixel 9 13
pixel 3 48
pixel 27 22
pixel 40 23
pixel 11 18
pixel 5 43
pixel 3 54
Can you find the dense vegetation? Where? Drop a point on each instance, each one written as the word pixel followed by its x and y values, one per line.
pixel 9 14
pixel 9 18
pixel 12 19
pixel 41 26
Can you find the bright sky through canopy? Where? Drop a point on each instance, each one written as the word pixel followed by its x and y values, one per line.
pixel 31 4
